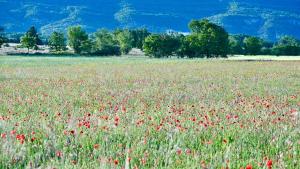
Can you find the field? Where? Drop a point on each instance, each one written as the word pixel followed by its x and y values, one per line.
pixel 148 113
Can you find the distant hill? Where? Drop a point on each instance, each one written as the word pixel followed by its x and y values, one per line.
pixel 267 19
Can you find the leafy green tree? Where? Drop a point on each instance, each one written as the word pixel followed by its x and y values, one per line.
pixel 287 45
pixel 288 41
pixel 78 39
pixel 105 43
pixel 86 47
pixel 253 45
pixel 31 39
pixel 236 44
pixel 2 36
pixel 57 41
pixel 139 36
pixel 32 32
pixel 29 42
pixel 125 39
pixel 286 50
pixel 161 45
pixel 207 39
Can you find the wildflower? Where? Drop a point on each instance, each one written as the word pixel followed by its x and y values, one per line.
pixel 33 139
pixel 188 151
pixel 249 166
pixel 269 164
pixel 72 132
pixel 21 138
pixel 3 135
pixel 116 161
pixel 58 154
pixel 179 152
pixel 96 146
pixel 13 132
pixel 117 119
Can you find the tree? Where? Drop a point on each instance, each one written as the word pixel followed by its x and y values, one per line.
pixel 2 36
pixel 31 39
pixel 287 45
pixel 32 32
pixel 57 41
pixel 288 41
pixel 105 43
pixel 161 45
pixel 139 36
pixel 207 39
pixel 253 45
pixel 78 39
pixel 125 40
pixel 236 44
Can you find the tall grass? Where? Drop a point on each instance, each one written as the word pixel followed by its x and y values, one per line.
pixel 136 113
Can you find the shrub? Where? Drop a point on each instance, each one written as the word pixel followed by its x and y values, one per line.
pixel 161 45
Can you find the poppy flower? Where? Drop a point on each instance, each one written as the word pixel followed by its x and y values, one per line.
pixel 269 164
pixel 249 166
pixel 96 146
pixel 116 161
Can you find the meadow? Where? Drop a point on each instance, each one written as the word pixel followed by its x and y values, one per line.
pixel 64 112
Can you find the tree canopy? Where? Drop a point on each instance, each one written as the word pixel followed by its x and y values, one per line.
pixel 78 39
pixel 2 36
pixel 31 39
pixel 207 39
pixel 161 45
pixel 57 41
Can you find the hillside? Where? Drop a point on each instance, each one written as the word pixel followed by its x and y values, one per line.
pixel 256 17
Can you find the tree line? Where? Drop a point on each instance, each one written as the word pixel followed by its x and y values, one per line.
pixel 205 40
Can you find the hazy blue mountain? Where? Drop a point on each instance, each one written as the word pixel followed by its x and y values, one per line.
pixel 268 19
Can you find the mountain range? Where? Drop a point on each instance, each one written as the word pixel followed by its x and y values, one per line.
pixel 267 19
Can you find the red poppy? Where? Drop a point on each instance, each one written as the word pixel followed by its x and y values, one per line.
pixel 33 139
pixel 21 138
pixel 116 161
pixel 269 164
pixel 249 166
pixel 13 132
pixel 58 154
pixel 188 151
pixel 3 135
pixel 96 146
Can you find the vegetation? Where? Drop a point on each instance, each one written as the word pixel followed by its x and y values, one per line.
pixel 78 39
pixel 206 40
pixel 161 45
pixel 287 46
pixel 147 113
pixel 125 40
pixel 253 45
pixel 139 36
pixel 57 42
pixel 31 39
pixel 248 45
pixel 2 37
pixel 105 44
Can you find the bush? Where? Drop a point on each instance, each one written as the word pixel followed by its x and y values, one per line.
pixel 79 40
pixel 125 40
pixel 161 45
pixel 286 50
pixel 108 51
pixel 253 45
pixel 105 44
pixel 207 39
pixel 57 42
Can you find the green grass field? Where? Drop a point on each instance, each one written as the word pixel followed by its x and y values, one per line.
pixel 148 113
